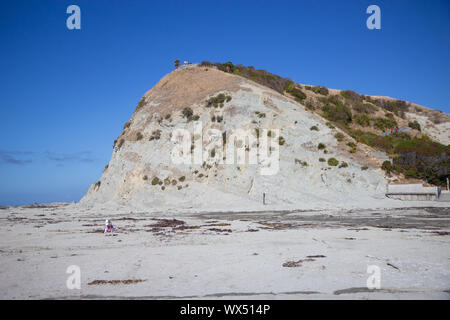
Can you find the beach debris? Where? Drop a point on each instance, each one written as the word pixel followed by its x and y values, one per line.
pixel 217 225
pixel 184 227
pixel 442 233
pixel 293 264
pixel 114 282
pixel 386 227
pixel 220 230
pixel 165 223
pixel 391 265
pixel 277 225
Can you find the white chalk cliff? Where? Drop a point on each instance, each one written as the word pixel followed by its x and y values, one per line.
pixel 142 152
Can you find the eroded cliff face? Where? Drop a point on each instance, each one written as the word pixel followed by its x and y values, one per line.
pixel 142 172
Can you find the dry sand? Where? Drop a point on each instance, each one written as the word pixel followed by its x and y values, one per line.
pixel 226 255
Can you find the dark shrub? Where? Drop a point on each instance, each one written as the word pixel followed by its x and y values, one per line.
pixel 121 142
pixel 126 125
pixel 301 162
pixel 343 164
pixel 387 166
pixel 140 104
pixel 384 123
pixel 333 99
pixel 337 113
pixel 295 91
pixel 339 136
pixel 333 162
pixel 414 125
pixel 320 90
pixel 364 108
pixel 155 181
pixel 156 135
pixel 187 113
pixel 206 64
pixel 218 100
pixel 351 95
pixel 362 119
pixel 397 107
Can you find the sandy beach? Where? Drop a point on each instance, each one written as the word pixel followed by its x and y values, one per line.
pixel 287 254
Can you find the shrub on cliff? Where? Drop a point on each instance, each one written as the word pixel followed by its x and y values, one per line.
pixel 155 181
pixel 387 166
pixel 318 89
pixel 337 113
pixel 333 162
pixel 362 119
pixel 351 95
pixel 384 123
pixel 414 125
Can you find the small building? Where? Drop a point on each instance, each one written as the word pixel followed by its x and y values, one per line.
pixel 412 192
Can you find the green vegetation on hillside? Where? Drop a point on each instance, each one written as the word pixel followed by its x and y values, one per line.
pixel 218 101
pixel 318 89
pixel 337 113
pixel 418 157
pixel 260 76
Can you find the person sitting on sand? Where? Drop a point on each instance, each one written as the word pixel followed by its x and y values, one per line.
pixel 108 226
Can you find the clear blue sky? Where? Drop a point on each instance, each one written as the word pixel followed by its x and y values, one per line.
pixel 65 94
